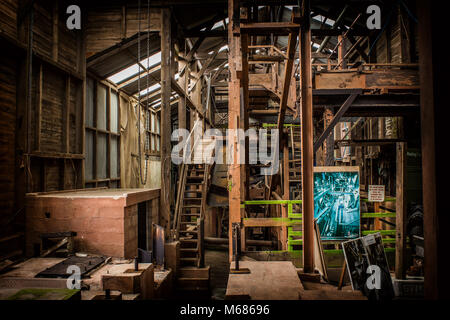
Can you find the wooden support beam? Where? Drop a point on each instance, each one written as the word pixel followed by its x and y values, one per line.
pixel 55 31
pixel 434 167
pixel 182 82
pixel 265 28
pixel 292 41
pixel 166 126
pixel 265 58
pixel 334 121
pixel 236 171
pixel 204 67
pixel 401 212
pixel 284 209
pixel 306 104
pixel 328 146
pixel 196 45
pixel 38 119
pixel 358 48
pixel 66 117
pixel 341 53
pixel 189 103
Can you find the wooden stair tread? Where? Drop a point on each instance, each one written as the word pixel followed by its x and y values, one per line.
pixel 188 259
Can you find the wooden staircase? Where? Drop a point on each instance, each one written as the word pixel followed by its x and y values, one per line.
pixel 193 184
pixel 191 214
pixel 295 176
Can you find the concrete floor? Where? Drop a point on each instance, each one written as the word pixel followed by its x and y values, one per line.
pixel 218 260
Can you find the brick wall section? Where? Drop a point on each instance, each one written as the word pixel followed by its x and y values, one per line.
pixel 100 223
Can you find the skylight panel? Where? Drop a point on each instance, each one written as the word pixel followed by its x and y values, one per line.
pixel 321 19
pixel 152 60
pixel 150 89
pixel 124 74
pixel 157 103
pixel 133 70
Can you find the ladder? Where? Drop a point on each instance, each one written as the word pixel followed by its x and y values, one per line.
pixel 191 214
pixel 295 158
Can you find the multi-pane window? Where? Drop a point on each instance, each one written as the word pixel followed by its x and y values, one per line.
pixel 102 165
pixel 153 133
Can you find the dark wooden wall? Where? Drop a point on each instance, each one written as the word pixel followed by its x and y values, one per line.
pixel 8 79
pixel 41 129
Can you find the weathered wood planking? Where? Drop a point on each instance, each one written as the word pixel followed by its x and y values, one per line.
pixel 8 17
pixel 106 28
pixel 377 79
pixel 8 78
pixel 54 135
pixel 53 97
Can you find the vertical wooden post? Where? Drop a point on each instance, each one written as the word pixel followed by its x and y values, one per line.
pixel 328 146
pixel 236 171
pixel 284 208
pixel 435 271
pixel 182 81
pixel 55 31
pixel 66 117
pixel 307 139
pixel 341 53
pixel 165 119
pixel 38 119
pixel 81 100
pixel 401 209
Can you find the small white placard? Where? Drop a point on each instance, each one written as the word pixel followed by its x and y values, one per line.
pixel 369 239
pixel 376 193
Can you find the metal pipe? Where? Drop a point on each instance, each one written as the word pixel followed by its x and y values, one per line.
pixel 327 38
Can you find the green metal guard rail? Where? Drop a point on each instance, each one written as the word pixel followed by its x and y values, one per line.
pixel 295 218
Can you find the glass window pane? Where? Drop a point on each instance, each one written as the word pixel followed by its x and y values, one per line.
pixel 114 157
pixel 158 127
pixel 89 121
pixel 114 112
pixel 153 122
pixel 102 149
pixel 89 170
pixel 101 107
pixel 157 143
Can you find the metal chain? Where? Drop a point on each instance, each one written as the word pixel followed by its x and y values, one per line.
pixel 142 180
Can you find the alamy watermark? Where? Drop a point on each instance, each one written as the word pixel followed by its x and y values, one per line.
pixel 207 148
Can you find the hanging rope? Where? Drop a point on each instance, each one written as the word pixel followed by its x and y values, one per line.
pixel 142 177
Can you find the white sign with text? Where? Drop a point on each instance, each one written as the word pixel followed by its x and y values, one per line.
pixel 376 193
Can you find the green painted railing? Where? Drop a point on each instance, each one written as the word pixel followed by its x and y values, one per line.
pixel 295 219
